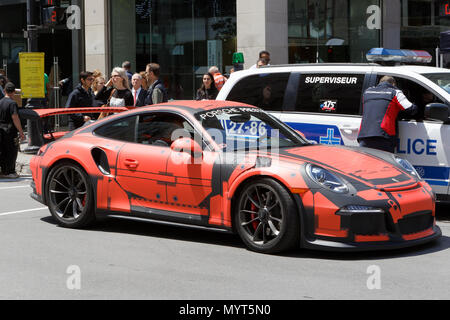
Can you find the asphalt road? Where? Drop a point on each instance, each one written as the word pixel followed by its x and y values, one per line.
pixel 122 259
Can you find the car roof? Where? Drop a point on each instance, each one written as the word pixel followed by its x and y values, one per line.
pixel 339 67
pixel 424 69
pixel 193 106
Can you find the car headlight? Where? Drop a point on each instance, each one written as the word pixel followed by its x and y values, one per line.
pixel 326 179
pixel 408 167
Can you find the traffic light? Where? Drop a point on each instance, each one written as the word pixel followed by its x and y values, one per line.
pixel 50 3
pixel 52 14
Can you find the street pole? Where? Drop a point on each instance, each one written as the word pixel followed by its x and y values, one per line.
pixel 31 26
pixel 34 131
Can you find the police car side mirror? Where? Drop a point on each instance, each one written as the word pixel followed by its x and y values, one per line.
pixel 437 111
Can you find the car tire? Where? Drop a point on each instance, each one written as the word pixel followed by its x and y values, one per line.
pixel 266 217
pixel 70 196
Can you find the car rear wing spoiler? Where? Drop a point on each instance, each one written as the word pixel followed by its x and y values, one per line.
pixel 35 114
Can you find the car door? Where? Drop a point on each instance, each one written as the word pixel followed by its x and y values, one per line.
pixel 196 175
pixel 110 139
pixel 190 193
pixel 141 165
pixel 425 143
pixel 327 106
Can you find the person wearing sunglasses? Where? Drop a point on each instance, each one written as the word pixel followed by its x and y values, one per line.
pixel 117 90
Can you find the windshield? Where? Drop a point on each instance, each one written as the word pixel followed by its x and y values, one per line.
pixel 243 128
pixel 441 79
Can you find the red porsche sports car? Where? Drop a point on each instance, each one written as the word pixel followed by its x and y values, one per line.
pixel 232 166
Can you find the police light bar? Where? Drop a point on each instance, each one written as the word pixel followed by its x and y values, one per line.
pixel 398 55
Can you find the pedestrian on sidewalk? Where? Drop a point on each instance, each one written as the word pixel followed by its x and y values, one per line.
pixel 139 93
pixel 81 96
pixel 9 127
pixel 219 79
pixel 157 92
pixel 3 81
pixel 262 55
pixel 117 91
pixel 127 66
pixel 97 85
pixel 208 90
pixel 262 62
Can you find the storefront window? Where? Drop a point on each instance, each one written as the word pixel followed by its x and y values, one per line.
pixel 185 37
pixel 332 30
pixel 63 47
pixel 13 18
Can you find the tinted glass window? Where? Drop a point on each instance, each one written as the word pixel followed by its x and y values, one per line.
pixel 263 90
pixel 416 94
pixel 123 130
pixel 330 93
pixel 161 129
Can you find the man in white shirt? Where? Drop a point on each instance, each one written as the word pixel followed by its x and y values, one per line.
pixel 138 92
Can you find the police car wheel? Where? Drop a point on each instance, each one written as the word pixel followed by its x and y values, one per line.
pixel 266 218
pixel 69 196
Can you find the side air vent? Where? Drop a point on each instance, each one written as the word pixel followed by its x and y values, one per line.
pixel 101 160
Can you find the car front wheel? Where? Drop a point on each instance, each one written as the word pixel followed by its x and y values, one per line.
pixel 266 218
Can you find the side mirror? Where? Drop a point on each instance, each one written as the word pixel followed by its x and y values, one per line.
pixel 187 145
pixel 437 111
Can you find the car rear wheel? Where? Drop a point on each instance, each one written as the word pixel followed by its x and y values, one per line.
pixel 266 218
pixel 69 196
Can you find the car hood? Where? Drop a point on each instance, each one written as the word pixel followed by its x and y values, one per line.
pixel 354 164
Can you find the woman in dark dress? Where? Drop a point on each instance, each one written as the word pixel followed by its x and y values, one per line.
pixel 208 90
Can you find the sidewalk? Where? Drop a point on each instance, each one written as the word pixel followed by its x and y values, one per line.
pixel 23 162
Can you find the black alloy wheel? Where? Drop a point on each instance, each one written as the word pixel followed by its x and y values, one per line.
pixel 69 196
pixel 266 218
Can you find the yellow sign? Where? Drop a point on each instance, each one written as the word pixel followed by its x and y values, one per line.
pixel 32 74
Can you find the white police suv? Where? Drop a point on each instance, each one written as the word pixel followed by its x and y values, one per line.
pixel 323 101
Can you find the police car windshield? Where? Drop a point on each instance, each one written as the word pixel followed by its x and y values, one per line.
pixel 441 79
pixel 243 128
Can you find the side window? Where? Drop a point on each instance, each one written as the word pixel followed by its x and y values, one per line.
pixel 330 93
pixel 123 129
pixel 161 129
pixel 416 94
pixel 262 90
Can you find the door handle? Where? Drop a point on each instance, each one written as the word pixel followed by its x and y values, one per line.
pixel 130 163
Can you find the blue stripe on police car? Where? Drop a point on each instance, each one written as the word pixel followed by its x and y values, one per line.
pixel 319 133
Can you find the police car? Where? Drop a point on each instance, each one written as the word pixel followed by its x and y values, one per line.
pixel 323 101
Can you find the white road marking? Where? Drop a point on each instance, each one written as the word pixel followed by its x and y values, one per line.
pixel 22 211
pixel 16 187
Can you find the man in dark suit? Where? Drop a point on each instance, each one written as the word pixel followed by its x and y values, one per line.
pixel 138 92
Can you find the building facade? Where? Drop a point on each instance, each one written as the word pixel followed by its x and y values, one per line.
pixel 62 43
pixel 187 36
